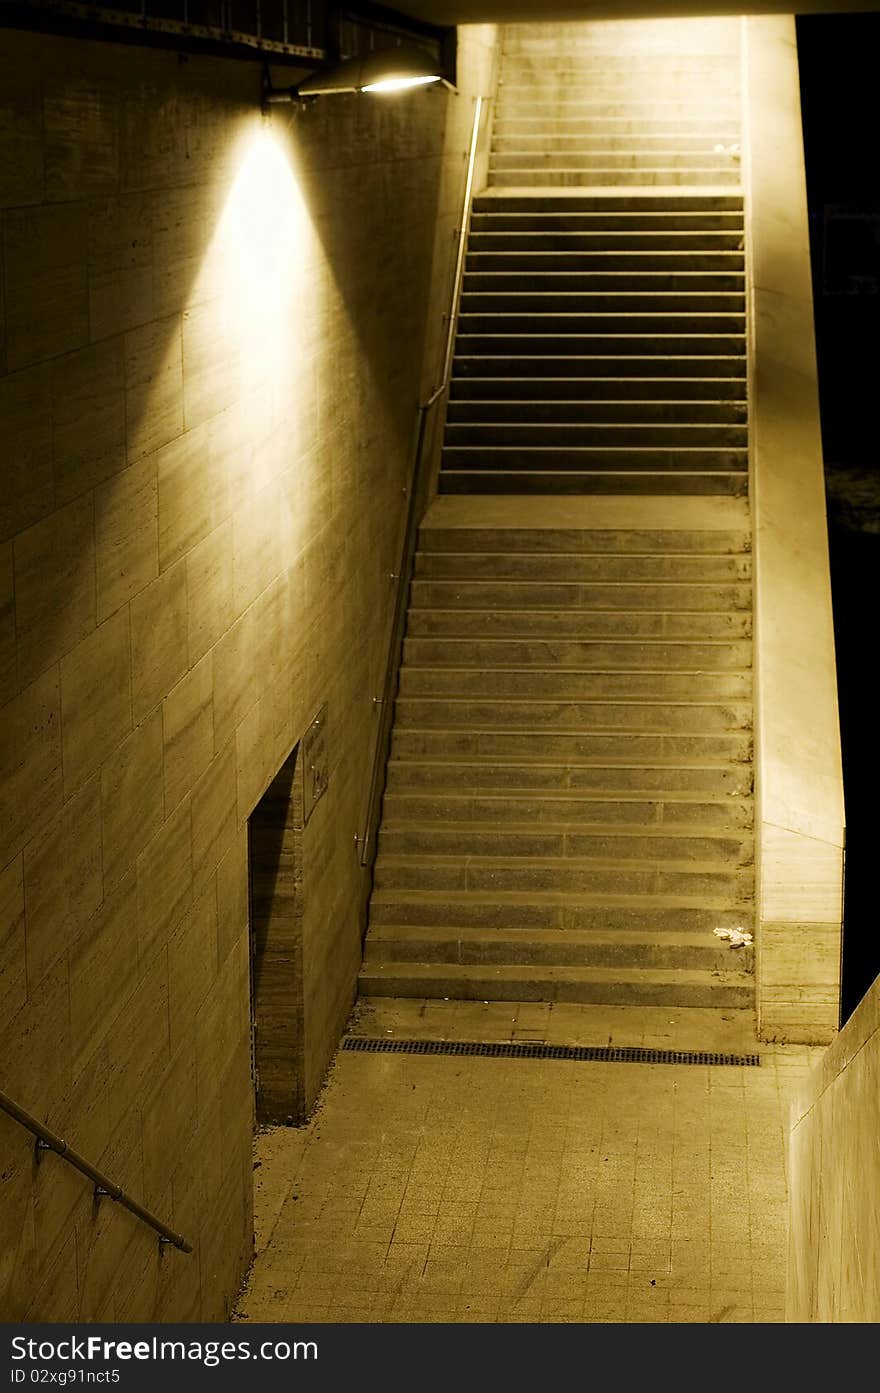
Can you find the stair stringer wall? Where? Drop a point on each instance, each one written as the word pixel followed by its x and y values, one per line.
pixel 798 775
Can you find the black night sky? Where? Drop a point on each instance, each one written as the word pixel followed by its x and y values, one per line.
pixel 839 56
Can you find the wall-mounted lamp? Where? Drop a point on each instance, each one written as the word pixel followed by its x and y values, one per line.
pixel 382 70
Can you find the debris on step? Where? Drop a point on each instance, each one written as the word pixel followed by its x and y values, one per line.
pixel 736 938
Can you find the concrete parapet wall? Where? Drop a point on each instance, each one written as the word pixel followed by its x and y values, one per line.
pixel 834 1233
pixel 799 783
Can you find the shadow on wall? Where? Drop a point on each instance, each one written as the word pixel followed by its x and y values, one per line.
pixel 214 324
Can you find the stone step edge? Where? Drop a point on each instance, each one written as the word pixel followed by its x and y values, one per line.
pixel 577 556
pixel 621 975
pixel 553 730
pixel 666 426
pixel 453 792
pixel 585 829
pixel 428 932
pixel 587 671
pixel 514 761
pixel 426 860
pixel 594 582
pixel 417 934
pixel 541 899
pixel 515 611
pixel 592 638
pixel 466 699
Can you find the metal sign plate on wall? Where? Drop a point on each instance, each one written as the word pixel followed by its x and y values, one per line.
pixel 316 777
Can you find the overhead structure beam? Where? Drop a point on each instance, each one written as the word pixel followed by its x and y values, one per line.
pixel 446 12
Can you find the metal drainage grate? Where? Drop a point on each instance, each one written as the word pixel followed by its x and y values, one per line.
pixel 526 1049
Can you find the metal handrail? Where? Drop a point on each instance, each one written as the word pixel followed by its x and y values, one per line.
pixel 48 1140
pixel 403 575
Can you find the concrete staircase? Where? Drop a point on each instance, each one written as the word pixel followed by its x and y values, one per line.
pixel 600 347
pixel 568 812
pixel 601 331
pixel 636 104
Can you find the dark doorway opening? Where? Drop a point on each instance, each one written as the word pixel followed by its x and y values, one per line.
pixel 275 850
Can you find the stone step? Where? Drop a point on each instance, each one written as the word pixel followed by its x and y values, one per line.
pixel 552 948
pixel 552 684
pixel 530 775
pixel 691 101
pixel 700 881
pixel 627 41
pixel 563 178
pixel 555 459
pixel 605 985
pixel 564 102
pixel 477 386
pixel 628 47
pixel 534 216
pixel 577 113
pixel 611 454
pixel 522 73
pixel 549 237
pixel 661 598
pixel 554 911
pixel 630 128
pixel 523 136
pixel 622 51
pixel 639 344
pixel 514 154
pixel 683 813
pixel 721 127
pixel 574 568
pixel 531 300
pixel 710 747
pixel 562 324
pixel 545 412
pixel 655 655
pixel 595 541
pixel 573 364
pixel 620 64
pixel 679 483
pixel 619 289
pixel 568 111
pixel 603 258
pixel 540 202
pixel 578 624
pixel 594 459
pixel 450 713
pixel 560 841
pixel 618 433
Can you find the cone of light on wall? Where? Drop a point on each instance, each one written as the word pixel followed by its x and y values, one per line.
pixel 382 70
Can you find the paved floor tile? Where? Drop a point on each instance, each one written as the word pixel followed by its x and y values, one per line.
pixel 462 1188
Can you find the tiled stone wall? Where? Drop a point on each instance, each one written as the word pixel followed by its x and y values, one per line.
pixel 834 1233
pixel 212 330
pixel 799 780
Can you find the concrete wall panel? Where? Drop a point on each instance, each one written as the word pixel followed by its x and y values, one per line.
pixel 214 330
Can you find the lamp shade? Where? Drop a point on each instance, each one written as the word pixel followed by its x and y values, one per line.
pixel 382 70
